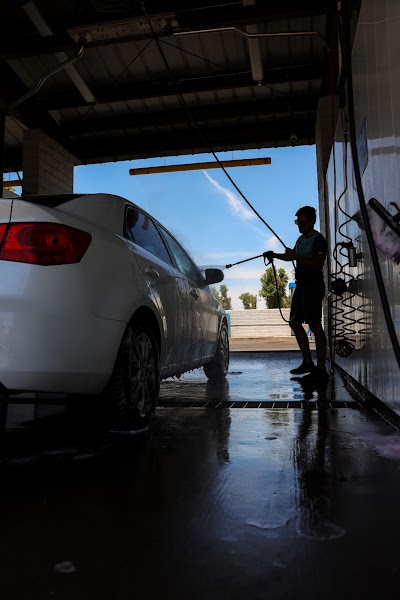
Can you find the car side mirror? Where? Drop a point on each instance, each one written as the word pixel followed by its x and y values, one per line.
pixel 213 276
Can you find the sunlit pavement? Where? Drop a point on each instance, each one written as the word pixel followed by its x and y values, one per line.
pixel 221 498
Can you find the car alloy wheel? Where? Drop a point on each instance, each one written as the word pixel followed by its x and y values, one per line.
pixel 142 375
pixel 217 368
pixel 132 392
pixel 224 349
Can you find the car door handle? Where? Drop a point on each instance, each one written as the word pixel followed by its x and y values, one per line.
pixel 194 294
pixel 154 275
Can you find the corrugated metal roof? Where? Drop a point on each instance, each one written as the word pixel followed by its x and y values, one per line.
pixel 132 80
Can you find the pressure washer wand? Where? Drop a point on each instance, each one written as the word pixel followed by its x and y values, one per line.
pixel 264 255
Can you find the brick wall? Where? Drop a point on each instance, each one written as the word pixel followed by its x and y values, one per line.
pixel 48 167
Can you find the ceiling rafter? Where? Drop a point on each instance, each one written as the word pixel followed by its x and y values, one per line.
pixel 225 111
pixel 138 112
pixel 192 85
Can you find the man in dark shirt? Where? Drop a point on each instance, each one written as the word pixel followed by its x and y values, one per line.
pixel 309 254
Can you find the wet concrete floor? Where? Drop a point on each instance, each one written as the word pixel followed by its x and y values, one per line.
pixel 255 489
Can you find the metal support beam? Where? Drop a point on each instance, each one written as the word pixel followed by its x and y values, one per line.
pixel 220 139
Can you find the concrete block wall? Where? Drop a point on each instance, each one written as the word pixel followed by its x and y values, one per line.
pixel 259 323
pixel 48 167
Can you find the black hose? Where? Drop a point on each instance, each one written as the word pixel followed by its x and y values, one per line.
pixel 357 174
pixel 199 129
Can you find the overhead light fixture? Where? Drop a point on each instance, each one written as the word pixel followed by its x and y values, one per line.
pixel 125 28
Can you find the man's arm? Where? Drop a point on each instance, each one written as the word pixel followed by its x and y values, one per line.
pixel 315 263
pixel 283 256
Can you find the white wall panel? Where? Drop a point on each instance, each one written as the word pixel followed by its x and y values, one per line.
pixel 376 67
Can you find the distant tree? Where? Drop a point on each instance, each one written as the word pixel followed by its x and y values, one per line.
pixel 268 288
pixel 215 291
pixel 222 296
pixel 249 300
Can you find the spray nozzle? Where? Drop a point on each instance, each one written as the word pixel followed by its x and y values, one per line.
pixel 269 255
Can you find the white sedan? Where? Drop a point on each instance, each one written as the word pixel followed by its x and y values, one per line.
pixel 97 297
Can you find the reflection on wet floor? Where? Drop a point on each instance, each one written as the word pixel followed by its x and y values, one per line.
pixel 52 430
pixel 216 504
pixel 256 380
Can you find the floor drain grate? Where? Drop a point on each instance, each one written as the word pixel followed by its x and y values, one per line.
pixel 312 405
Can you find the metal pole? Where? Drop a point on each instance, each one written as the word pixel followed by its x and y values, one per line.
pixel 245 260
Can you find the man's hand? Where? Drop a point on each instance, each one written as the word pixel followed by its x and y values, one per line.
pixel 269 255
pixel 290 254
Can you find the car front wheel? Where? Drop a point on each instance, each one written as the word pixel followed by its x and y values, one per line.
pixel 218 367
pixel 134 386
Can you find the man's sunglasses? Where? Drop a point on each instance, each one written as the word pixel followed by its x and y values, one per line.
pixel 299 222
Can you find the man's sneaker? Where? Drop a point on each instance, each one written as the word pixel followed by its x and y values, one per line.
pixel 316 375
pixel 303 368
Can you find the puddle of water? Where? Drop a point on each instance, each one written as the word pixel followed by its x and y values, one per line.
pixel 268 524
pixel 323 530
pixel 66 567
pixel 389 450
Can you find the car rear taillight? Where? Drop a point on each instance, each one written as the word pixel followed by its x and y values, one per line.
pixel 43 243
pixel 2 231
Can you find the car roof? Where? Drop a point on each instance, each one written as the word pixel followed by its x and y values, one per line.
pixel 104 210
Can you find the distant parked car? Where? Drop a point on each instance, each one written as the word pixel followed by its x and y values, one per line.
pixel 97 297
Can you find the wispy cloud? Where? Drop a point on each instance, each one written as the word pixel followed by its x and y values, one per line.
pixel 274 244
pixel 235 204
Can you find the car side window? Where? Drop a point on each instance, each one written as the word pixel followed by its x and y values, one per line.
pixel 183 260
pixel 139 228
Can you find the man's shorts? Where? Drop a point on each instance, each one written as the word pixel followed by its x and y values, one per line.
pixel 307 300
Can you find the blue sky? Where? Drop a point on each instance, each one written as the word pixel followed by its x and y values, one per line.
pixel 207 215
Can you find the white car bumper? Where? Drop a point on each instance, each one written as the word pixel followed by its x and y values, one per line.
pixel 50 339
pixel 40 353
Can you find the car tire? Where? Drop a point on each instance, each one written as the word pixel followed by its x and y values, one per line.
pixel 134 386
pixel 217 368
